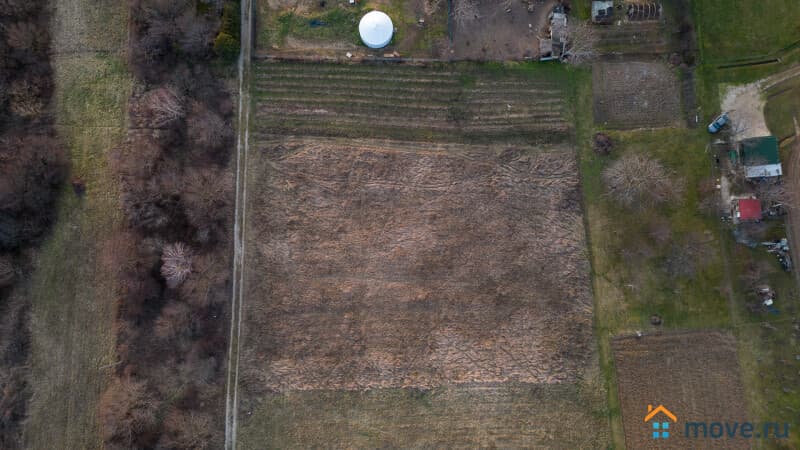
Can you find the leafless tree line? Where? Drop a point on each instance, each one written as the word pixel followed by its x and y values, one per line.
pixel 32 167
pixel 173 262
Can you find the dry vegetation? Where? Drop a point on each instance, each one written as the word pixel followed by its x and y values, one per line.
pixel 416 266
pixel 695 374
pixel 31 168
pixel 635 95
pixel 636 181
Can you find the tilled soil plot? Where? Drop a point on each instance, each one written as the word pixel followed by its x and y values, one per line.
pixel 631 95
pixel 695 374
pixel 385 264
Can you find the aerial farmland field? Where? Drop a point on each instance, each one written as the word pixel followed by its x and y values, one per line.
pixel 415 254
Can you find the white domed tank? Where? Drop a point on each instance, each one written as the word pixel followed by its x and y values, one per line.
pixel 376 29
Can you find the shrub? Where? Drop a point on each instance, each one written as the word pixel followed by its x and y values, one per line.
pixel 226 47
pixel 634 180
pixel 186 430
pixel 206 130
pixel 31 168
pixel 175 320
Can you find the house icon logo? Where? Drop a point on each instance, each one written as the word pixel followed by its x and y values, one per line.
pixel 660 428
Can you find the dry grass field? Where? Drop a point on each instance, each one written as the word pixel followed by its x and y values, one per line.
pixel 416 267
pixel 631 95
pixel 409 265
pixel 695 374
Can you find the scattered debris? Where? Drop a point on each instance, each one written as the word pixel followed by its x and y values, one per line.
pixel 655 319
pixel 780 247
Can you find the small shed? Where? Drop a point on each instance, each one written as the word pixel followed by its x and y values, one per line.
pixel 602 11
pixel 760 158
pixel 746 210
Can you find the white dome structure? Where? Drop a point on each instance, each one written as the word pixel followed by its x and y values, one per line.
pixel 376 29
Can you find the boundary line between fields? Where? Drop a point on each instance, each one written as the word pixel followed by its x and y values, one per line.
pixel 237 297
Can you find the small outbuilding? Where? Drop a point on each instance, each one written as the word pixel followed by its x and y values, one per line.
pixel 746 210
pixel 376 29
pixel 602 11
pixel 760 158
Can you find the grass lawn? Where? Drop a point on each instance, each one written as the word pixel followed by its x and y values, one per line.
pixel 628 255
pixel 768 343
pixel 335 27
pixel 71 290
pixel 783 105
pixel 731 30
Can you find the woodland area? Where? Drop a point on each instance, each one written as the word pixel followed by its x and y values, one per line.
pixel 176 194
pixel 32 166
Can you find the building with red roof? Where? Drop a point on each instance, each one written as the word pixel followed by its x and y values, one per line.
pixel 746 210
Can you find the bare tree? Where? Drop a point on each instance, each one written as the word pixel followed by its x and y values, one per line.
pixel 175 320
pixel 465 12
pixel 581 43
pixel 634 179
pixel 161 107
pixel 206 198
pixel 28 36
pixel 176 263
pixel 128 413
pixel 17 8
pixel 7 271
pixel 205 128
pixel 26 98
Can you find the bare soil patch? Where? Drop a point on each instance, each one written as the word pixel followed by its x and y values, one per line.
pixel 631 95
pixel 375 264
pixel 500 30
pixel 695 374
pixel 745 107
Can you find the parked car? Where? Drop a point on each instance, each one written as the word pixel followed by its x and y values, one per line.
pixel 718 123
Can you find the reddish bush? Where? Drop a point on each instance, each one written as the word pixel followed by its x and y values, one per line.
pixel 128 412
pixel 187 430
pixel 207 196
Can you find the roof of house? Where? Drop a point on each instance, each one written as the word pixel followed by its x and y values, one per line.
pixel 749 209
pixel 760 151
pixel 763 171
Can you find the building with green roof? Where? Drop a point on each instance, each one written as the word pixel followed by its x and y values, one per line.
pixel 760 158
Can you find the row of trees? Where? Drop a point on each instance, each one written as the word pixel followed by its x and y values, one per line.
pixel 174 260
pixel 32 166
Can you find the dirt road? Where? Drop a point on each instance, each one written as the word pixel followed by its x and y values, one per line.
pixel 245 56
